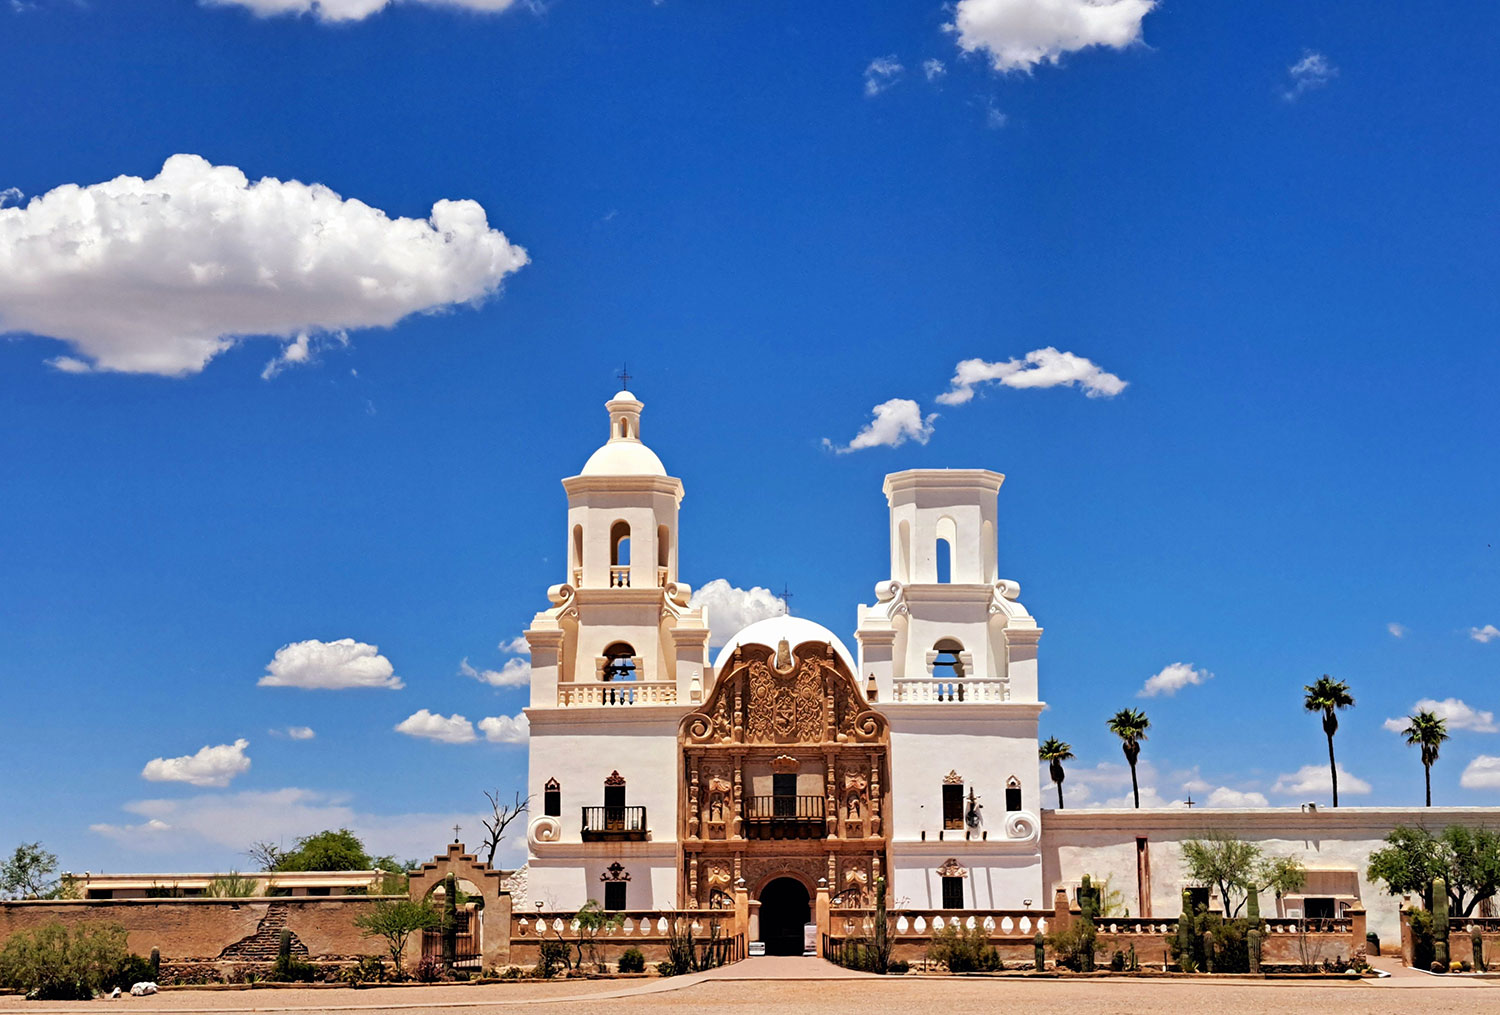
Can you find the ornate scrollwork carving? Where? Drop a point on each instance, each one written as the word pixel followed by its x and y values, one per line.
pixel 951 868
pixel 892 595
pixel 563 599
pixel 868 726
pixel 544 828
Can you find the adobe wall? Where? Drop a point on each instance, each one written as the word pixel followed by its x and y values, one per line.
pixel 204 929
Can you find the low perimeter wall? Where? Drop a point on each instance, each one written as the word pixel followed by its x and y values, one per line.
pixel 243 930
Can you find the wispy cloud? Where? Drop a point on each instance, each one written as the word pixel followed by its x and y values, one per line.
pixel 513 673
pixel 1486 634
pixel 933 69
pixel 882 73
pixel 352 10
pixel 1397 630
pixel 1311 72
pixel 1311 779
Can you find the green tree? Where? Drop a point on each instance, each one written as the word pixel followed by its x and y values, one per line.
pixel 28 872
pixel 1468 859
pixel 1329 697
pixel 397 920
pixel 1130 725
pixel 1238 868
pixel 68 965
pixel 1426 730
pixel 326 851
pixel 593 920
pixel 1055 752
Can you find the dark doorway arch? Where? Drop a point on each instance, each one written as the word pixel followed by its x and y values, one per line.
pixel 785 907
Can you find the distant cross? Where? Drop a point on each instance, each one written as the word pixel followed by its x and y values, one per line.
pixel 786 599
pixel 624 376
pixel 455 833
pixel 1189 800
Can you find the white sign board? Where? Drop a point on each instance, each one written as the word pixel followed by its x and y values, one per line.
pixel 809 939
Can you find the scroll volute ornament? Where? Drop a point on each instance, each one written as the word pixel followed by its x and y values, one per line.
pixel 951 868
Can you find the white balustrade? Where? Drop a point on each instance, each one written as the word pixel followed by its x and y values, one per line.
pixel 619 577
pixel 661 577
pixel 616 693
pixel 929 689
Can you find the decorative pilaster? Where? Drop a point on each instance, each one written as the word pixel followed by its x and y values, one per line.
pixel 693 816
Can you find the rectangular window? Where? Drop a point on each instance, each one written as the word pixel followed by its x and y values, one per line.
pixel 552 802
pixel 1317 909
pixel 953 806
pixel 1012 798
pixel 784 794
pixel 614 895
pixel 953 893
pixel 1198 897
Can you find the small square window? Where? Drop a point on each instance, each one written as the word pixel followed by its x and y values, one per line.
pixel 614 895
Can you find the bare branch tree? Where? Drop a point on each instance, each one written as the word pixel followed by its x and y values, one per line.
pixel 504 814
pixel 265 855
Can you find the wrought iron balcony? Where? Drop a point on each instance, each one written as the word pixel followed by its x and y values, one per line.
pixel 602 824
pixel 785 817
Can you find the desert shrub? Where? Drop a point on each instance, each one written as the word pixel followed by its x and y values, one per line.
pixel 429 970
pixel 290 969
pixel 52 963
pixel 897 966
pixel 1422 923
pixel 666 969
pixel 369 969
pixel 511 973
pixel 632 961
pixel 1073 943
pixel 966 951
pixel 550 957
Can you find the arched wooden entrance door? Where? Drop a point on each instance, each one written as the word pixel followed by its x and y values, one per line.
pixel 784 909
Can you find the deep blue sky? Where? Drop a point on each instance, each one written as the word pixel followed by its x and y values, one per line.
pixel 1300 293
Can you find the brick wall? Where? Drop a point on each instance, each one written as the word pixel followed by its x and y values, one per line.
pixel 212 929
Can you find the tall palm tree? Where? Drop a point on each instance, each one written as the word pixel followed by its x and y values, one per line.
pixel 1130 725
pixel 1427 730
pixel 1327 695
pixel 1055 752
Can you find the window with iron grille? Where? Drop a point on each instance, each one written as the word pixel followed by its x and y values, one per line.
pixel 953 805
pixel 953 893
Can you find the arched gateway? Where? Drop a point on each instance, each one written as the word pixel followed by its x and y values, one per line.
pixel 784 773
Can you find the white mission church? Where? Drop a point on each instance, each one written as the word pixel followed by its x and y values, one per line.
pixel 664 777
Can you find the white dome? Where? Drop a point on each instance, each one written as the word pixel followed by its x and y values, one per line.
pixel 624 458
pixel 795 630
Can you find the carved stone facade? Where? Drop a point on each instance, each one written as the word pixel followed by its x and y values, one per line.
pixel 784 769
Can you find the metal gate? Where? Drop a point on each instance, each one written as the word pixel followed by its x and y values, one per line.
pixel 465 943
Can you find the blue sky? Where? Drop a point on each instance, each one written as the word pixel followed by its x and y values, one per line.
pixel 1273 222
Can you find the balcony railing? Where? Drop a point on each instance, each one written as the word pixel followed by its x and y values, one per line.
pixel 785 817
pixel 602 823
pixel 931 689
pixel 616 693
pixel 619 577
pixel 661 577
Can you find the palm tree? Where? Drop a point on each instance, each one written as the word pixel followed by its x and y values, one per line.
pixel 1130 725
pixel 1427 730
pixel 1055 752
pixel 1327 695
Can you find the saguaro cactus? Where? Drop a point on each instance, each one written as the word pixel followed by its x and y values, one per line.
pixel 1088 907
pixel 1185 932
pixel 155 964
pixel 1253 941
pixel 450 921
pixel 882 944
pixel 1039 950
pixel 1440 922
pixel 1476 943
pixel 284 947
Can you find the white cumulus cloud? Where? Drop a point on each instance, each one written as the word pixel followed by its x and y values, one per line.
pixel 731 609
pixel 1226 797
pixel 514 646
pixel 294 733
pixel 1017 35
pixel 1481 773
pixel 211 766
pixel 159 276
pixel 896 421
pixel 449 729
pixel 349 10
pixel 1310 779
pixel 512 673
pixel 1312 71
pixel 1459 713
pixel 506 729
pixel 882 73
pixel 330 665
pixel 1041 368
pixel 1484 635
pixel 1173 679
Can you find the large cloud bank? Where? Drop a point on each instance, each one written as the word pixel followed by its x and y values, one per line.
pixel 159 276
pixel 732 609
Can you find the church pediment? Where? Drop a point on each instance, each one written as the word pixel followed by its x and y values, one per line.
pixel 784 695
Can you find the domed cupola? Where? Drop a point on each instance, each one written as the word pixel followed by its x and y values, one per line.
pixel 624 454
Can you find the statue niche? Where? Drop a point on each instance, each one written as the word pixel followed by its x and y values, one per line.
pixel 784 697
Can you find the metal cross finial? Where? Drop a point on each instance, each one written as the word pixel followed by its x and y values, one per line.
pixel 1189 800
pixel 455 833
pixel 624 376
pixel 786 598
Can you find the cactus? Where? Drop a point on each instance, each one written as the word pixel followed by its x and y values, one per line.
pixel 1440 921
pixel 1476 941
pixel 450 921
pixel 1208 951
pixel 155 964
pixel 1088 906
pixel 1253 940
pixel 1252 907
pixel 1185 932
pixel 1039 950
pixel 284 947
pixel 882 944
